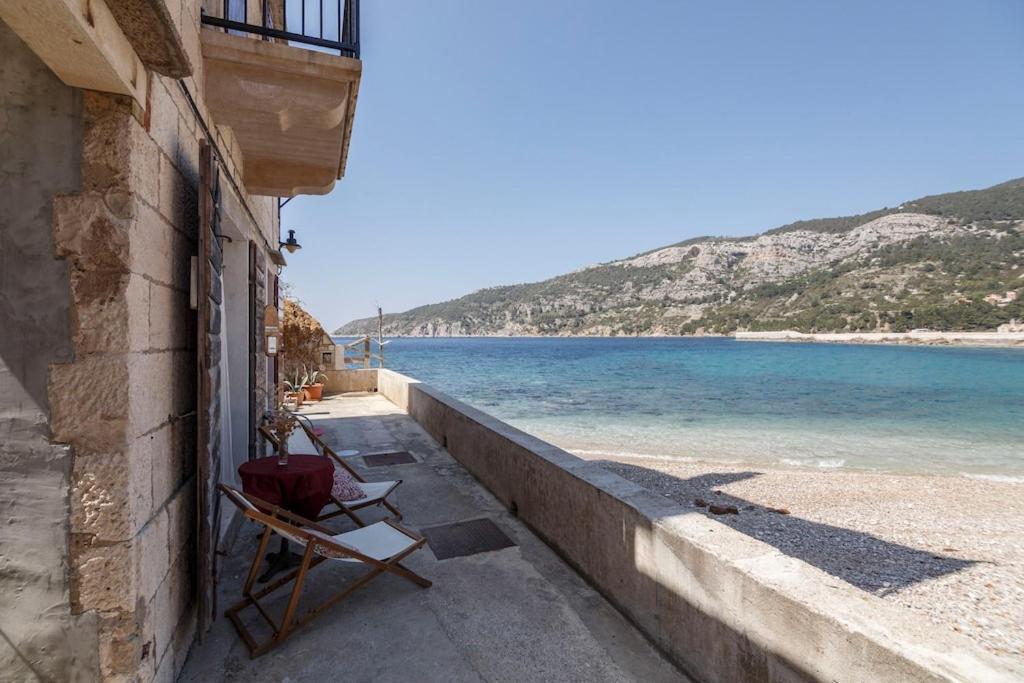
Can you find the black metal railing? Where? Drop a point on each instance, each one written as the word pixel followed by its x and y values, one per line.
pixel 295 21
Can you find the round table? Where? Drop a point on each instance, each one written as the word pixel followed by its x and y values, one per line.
pixel 303 486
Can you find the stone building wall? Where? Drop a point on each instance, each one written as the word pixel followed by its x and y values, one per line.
pixel 103 301
pixel 126 403
pixel 40 141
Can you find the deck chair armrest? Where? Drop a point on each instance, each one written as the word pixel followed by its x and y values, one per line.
pixel 275 511
pixel 299 520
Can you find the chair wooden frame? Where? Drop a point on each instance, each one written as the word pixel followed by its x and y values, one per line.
pixel 295 527
pixel 344 507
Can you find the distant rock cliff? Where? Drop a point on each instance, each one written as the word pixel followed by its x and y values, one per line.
pixel 928 263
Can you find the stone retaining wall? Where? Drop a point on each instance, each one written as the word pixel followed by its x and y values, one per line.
pixel 346 381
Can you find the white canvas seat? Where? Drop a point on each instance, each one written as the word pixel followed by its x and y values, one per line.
pixel 381 541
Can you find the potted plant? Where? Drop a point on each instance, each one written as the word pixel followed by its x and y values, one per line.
pixel 295 389
pixel 302 338
pixel 313 388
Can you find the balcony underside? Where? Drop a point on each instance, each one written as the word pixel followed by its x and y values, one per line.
pixel 291 110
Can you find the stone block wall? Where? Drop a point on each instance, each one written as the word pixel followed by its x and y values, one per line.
pixel 126 403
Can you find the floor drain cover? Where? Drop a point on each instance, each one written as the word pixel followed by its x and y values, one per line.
pixel 384 459
pixel 466 538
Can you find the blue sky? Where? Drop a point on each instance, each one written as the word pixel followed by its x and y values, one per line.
pixel 504 142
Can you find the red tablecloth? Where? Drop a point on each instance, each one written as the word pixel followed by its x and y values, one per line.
pixel 303 486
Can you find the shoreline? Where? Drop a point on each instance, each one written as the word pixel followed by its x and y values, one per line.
pixel 543 336
pixel 940 339
pixel 960 339
pixel 953 554
pixel 784 466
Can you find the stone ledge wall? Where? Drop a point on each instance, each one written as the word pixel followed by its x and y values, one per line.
pixel 722 605
pixel 346 381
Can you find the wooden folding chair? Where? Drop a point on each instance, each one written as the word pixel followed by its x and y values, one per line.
pixel 376 492
pixel 381 546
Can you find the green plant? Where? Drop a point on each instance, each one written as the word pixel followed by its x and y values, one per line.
pixel 313 376
pixel 298 381
pixel 303 378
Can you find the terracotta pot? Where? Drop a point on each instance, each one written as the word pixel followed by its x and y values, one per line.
pixel 296 396
pixel 314 392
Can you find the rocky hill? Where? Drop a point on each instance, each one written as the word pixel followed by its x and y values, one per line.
pixel 944 262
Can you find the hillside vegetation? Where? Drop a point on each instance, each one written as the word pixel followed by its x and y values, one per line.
pixel 928 263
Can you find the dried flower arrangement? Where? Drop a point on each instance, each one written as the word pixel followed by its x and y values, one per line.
pixel 281 423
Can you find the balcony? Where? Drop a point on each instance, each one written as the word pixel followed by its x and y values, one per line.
pixel 284 77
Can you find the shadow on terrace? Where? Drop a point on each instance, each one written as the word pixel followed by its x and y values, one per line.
pixel 518 613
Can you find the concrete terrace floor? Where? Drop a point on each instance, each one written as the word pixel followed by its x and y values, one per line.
pixel 516 614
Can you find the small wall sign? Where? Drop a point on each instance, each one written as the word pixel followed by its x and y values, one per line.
pixel 271 330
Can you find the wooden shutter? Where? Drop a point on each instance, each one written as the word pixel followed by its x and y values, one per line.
pixel 208 348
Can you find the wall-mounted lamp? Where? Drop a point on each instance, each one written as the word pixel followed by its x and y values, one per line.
pixel 291 244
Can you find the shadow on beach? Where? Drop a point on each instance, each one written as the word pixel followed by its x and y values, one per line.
pixel 865 561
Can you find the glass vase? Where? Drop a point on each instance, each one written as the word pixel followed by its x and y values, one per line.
pixel 282 452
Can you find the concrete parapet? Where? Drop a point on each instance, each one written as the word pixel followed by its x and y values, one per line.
pixel 346 381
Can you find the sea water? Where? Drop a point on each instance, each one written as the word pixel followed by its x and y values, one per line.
pixel 871 407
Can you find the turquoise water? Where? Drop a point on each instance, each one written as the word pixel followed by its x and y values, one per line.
pixel 917 409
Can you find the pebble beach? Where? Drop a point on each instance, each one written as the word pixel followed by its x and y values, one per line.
pixel 948 548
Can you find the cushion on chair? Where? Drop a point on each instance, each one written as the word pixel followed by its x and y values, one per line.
pixel 345 487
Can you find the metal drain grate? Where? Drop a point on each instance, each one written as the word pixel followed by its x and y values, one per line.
pixel 384 459
pixel 465 538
